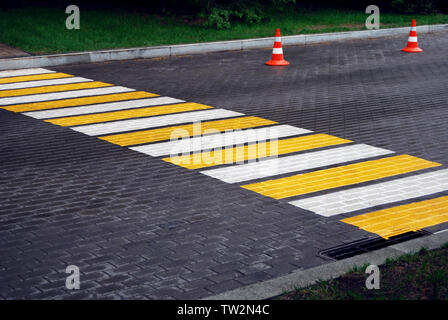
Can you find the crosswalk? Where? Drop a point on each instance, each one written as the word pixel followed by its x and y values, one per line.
pixel 295 163
pixel 42 83
pixel 321 173
pixel 219 140
pixel 102 107
pixel 85 101
pixel 377 194
pixel 127 114
pixel 98 89
pixel 261 149
pixel 185 130
pixel 345 175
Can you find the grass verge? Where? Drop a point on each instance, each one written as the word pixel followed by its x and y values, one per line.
pixel 422 275
pixel 42 30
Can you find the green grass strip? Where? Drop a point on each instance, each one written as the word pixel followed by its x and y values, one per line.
pixel 42 30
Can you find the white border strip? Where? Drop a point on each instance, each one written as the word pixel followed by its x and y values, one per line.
pixel 359 198
pixel 23 72
pixel 219 140
pixel 41 83
pixel 312 159
pixel 154 122
pixel 102 107
pixel 63 95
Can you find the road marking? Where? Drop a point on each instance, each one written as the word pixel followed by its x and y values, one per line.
pixel 79 101
pixel 295 163
pixel 147 136
pixel 23 72
pixel 405 218
pixel 254 151
pixel 126 114
pixel 56 88
pixel 85 105
pixel 376 194
pixel 219 139
pixel 104 107
pixel 339 176
pixel 62 95
pixel 153 122
pixel 41 83
pixel 46 76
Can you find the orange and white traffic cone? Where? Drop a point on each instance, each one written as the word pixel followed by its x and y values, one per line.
pixel 277 52
pixel 412 40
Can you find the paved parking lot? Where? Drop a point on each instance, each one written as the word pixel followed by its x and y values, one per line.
pixel 362 151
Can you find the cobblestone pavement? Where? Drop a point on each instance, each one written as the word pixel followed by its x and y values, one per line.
pixel 9 52
pixel 140 226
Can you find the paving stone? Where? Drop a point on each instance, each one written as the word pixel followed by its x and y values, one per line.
pixel 122 215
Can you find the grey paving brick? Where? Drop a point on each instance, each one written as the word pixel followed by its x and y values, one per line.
pixel 122 215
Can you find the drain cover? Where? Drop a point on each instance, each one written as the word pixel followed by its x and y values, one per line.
pixel 366 245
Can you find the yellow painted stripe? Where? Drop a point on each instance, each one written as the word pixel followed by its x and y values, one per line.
pixel 56 88
pixel 339 176
pixel 254 151
pixel 405 218
pixel 126 114
pixel 146 136
pixel 72 102
pixel 45 76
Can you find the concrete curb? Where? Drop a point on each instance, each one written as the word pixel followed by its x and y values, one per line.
pixel 302 278
pixel 167 51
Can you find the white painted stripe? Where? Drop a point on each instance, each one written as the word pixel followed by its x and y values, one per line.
pixel 102 107
pixel 376 194
pixel 412 39
pixel 62 95
pixel 300 162
pixel 153 122
pixel 24 72
pixel 220 140
pixel 278 39
pixel 40 83
pixel 277 51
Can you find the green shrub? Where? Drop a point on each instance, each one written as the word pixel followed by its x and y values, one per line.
pixel 222 17
pixel 219 18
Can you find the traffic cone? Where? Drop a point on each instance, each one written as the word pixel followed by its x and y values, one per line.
pixel 412 40
pixel 277 52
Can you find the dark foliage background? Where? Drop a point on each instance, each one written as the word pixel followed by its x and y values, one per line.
pixel 207 6
pixel 221 13
pixel 197 6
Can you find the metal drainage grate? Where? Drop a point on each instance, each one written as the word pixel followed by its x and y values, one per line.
pixel 366 245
